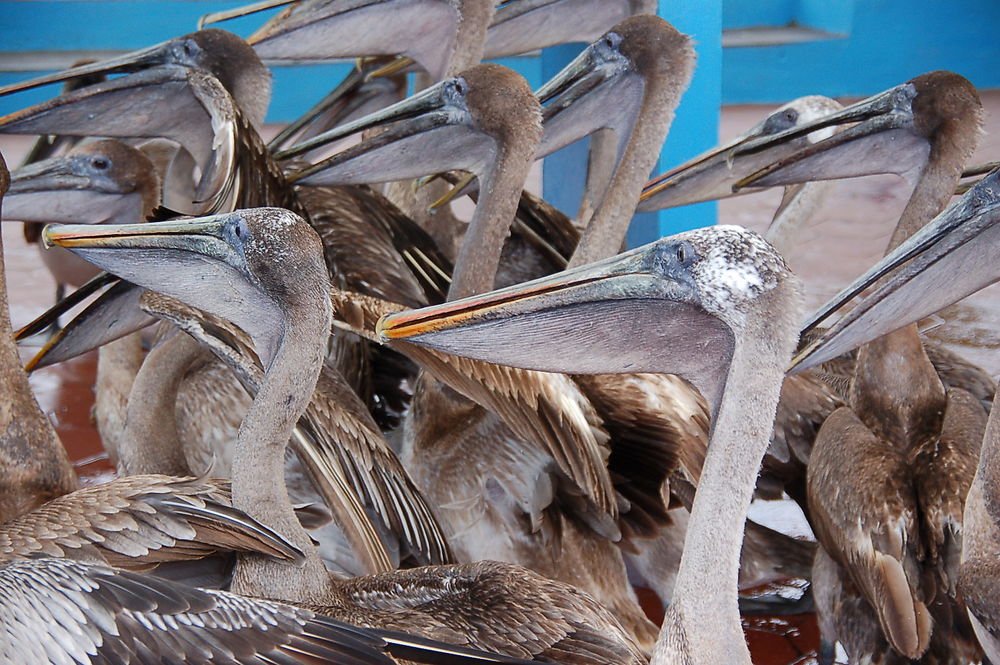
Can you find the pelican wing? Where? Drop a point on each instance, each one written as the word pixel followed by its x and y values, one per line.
pixel 501 608
pixel 866 517
pixel 945 468
pixel 141 521
pixel 61 611
pixel 540 407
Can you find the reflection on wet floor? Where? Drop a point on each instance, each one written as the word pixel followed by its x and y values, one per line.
pixel 846 236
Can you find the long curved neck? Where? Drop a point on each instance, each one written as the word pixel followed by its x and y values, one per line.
pixel 152 443
pixel 931 193
pixel 606 232
pixel 35 464
pixel 703 622
pixel 479 258
pixel 798 202
pixel 470 38
pixel 258 465
pixel 981 536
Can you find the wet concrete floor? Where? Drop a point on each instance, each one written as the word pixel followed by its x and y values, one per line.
pixel 845 237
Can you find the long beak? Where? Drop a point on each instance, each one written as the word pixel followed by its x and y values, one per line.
pixel 122 107
pixel 940 265
pixel 560 323
pixel 354 28
pixel 129 62
pixel 528 25
pixel 845 154
pixel 170 257
pixel 711 175
pixel 238 12
pixel 53 174
pixel 428 125
pixel 114 314
pixel 573 99
pixel 355 97
pixel 533 319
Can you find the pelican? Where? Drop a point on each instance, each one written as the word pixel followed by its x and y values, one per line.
pixel 178 414
pixel 491 112
pixel 288 322
pixel 945 261
pixel 140 521
pixel 735 291
pixel 904 432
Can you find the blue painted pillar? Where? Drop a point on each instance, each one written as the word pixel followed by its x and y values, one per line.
pixel 694 130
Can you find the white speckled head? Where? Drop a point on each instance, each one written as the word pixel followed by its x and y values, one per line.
pixel 734 268
pixel 807 109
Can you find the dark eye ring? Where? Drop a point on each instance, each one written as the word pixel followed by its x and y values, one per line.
pixel 682 255
pixel 100 163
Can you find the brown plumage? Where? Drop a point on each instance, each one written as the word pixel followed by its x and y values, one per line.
pixel 138 522
pixel 34 467
pixel 888 474
pixel 295 291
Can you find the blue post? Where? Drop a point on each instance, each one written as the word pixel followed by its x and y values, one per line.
pixel 695 128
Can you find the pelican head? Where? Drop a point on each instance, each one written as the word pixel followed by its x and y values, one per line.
pixel 605 86
pixel 97 181
pixel 157 78
pixel 251 267
pixel 459 123
pixel 896 131
pixel 950 258
pixel 675 305
pixel 711 175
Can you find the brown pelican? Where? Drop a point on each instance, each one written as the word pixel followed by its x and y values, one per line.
pixel 888 475
pixel 182 409
pixel 34 462
pixel 510 609
pixel 945 261
pixel 139 522
pixel 487 502
pixel 735 291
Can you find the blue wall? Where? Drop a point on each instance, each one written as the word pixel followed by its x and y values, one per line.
pixel 886 42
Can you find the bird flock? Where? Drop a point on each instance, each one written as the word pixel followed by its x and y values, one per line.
pixel 351 426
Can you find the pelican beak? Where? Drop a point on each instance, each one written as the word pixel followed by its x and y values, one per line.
pixel 434 123
pixel 352 28
pixel 52 190
pixel 859 150
pixel 129 62
pixel 54 174
pixel 950 258
pixel 357 95
pixel 122 107
pixel 156 255
pixel 239 12
pixel 536 325
pixel 520 26
pixel 709 176
pixel 114 314
pixel 577 99
pixel 558 323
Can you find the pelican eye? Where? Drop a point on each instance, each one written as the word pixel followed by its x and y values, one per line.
pixel 239 229
pixel 780 121
pixel 100 163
